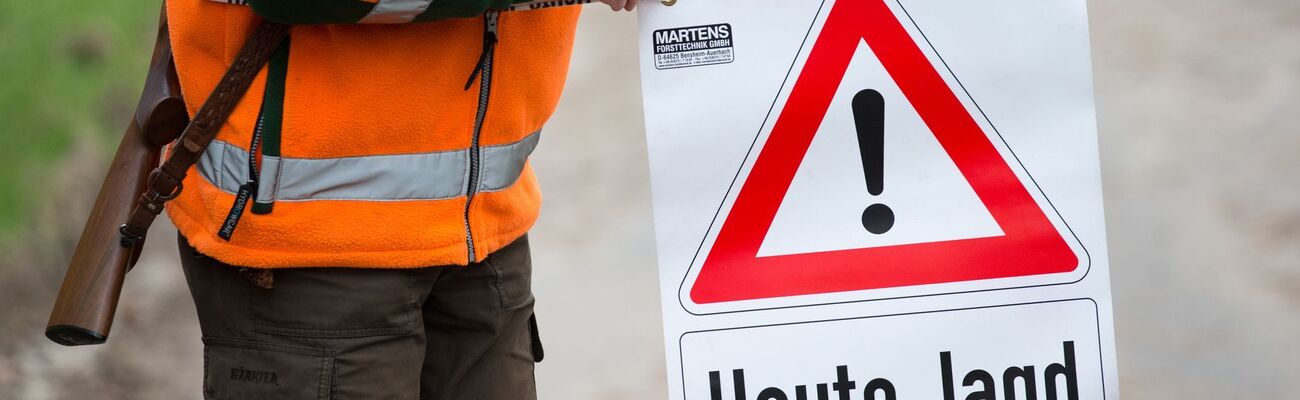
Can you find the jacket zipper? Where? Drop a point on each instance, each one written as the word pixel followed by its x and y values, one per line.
pixel 482 71
pixel 273 95
pixel 247 191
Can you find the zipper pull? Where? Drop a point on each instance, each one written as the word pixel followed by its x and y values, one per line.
pixel 489 41
pixel 246 191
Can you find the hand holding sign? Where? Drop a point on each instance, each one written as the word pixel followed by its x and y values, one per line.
pixel 620 5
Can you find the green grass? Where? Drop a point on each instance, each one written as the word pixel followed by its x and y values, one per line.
pixel 69 70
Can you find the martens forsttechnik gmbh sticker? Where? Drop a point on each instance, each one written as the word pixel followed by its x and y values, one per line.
pixel 693 46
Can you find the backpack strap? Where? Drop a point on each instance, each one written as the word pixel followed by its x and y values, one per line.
pixel 165 181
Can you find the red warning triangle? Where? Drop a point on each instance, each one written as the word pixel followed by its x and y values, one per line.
pixel 1030 244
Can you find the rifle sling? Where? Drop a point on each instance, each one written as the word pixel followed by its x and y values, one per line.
pixel 165 181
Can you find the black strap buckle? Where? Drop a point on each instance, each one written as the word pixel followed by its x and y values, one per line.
pixel 129 238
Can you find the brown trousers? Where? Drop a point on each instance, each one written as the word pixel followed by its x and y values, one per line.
pixel 444 333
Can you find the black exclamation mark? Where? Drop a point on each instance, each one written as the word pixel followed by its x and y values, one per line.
pixel 869 116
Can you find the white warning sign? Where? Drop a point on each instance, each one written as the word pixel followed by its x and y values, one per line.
pixel 883 199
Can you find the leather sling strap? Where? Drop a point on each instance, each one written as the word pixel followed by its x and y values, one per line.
pixel 165 181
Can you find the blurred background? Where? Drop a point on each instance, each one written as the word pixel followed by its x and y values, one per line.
pixel 1198 100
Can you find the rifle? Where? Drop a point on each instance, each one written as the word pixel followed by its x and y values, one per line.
pixel 138 184
pixel 83 312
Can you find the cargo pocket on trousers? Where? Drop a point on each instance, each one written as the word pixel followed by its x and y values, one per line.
pixel 240 369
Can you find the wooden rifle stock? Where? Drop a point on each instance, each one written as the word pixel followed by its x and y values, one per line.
pixel 83 312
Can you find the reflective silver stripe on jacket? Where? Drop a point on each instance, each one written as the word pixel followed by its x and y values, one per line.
pixel 420 176
pixel 395 11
